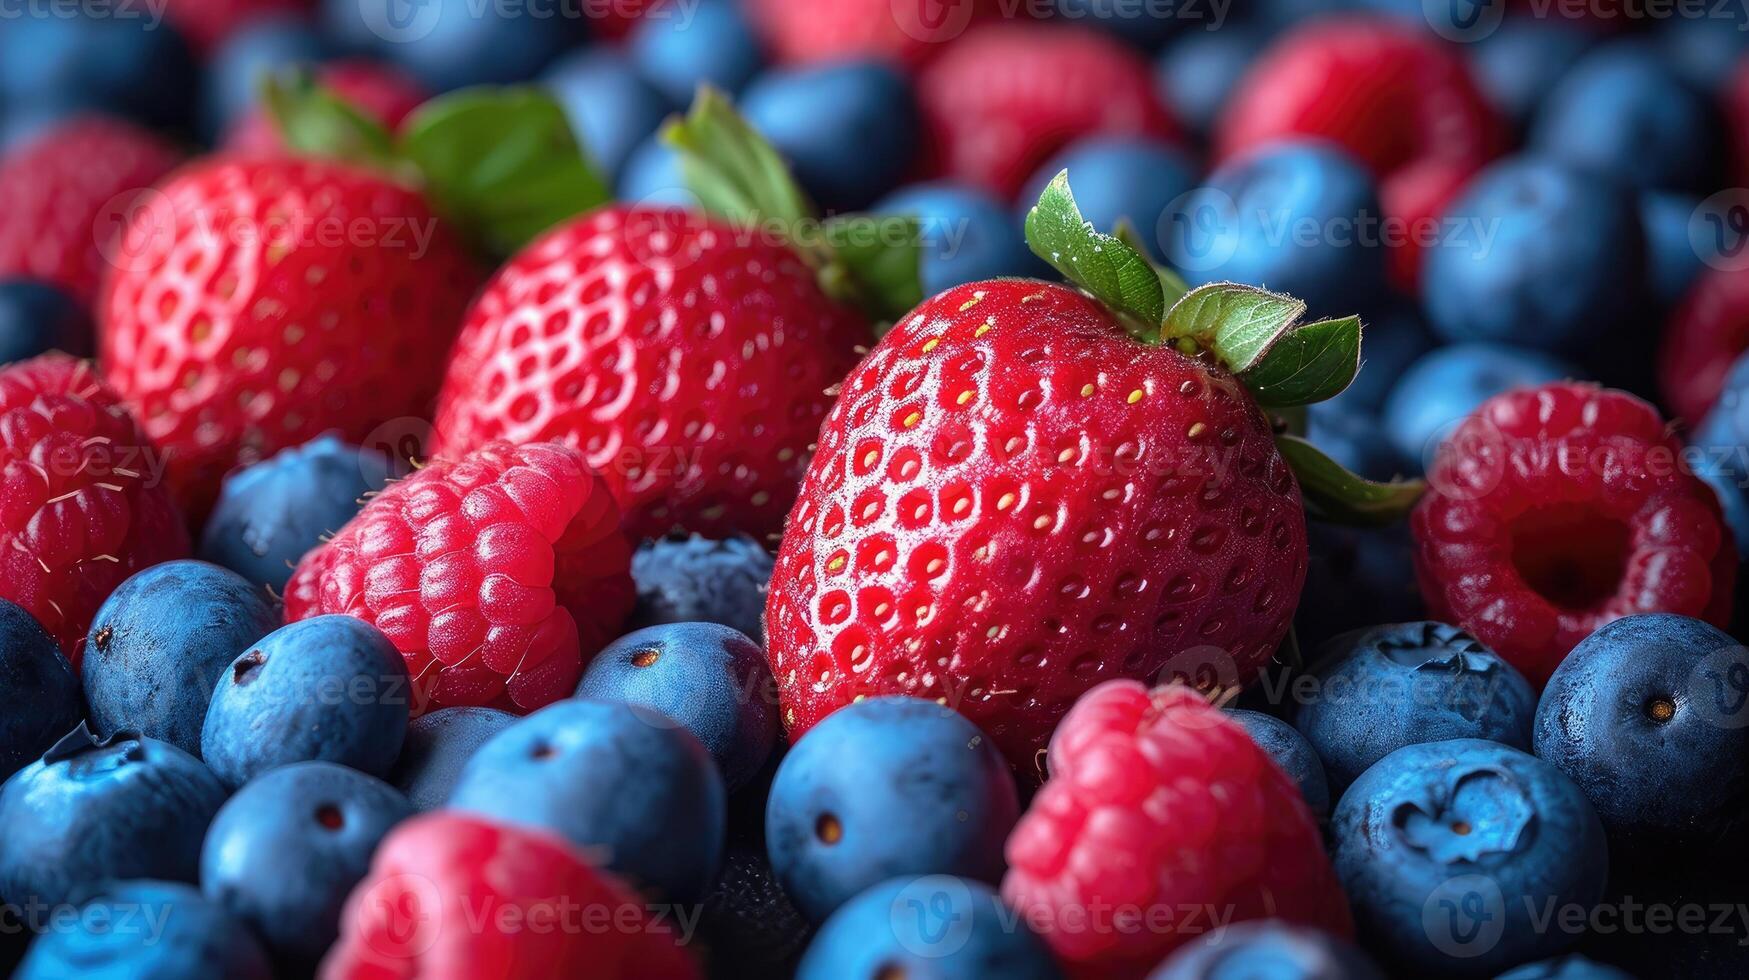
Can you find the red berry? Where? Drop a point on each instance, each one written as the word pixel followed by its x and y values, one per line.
pixel 1161 814
pixel 687 359
pixel 496 576
pixel 260 303
pixel 206 23
pixel 81 508
pixel 385 94
pixel 1551 511
pixel 1013 501
pixel 1003 99
pixel 1703 336
pixel 455 896
pixel 902 32
pixel 66 195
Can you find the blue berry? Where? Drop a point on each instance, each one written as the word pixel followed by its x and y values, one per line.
pixel 849 129
pixel 331 688
pixel 1569 967
pixel 36 318
pixel 1292 753
pixel 438 746
pixel 93 810
pixel 697 580
pixel 147 930
pixel 1198 70
pixel 78 62
pixel 1649 716
pixel 611 108
pixel 967 235
pixel 711 679
pixel 929 926
pixel 715 46
pixel 1267 950
pixel 884 787
pixel 37 687
pixel 1672 263
pixel 1517 65
pixel 1356 576
pixel 1705 50
pixel 1115 179
pixel 1380 689
pixel 159 643
pixel 1449 383
pixel 255 51
pixel 652 177
pixel 1452 851
pixel 283 854
pixel 451 44
pixel 615 779
pixel 1354 439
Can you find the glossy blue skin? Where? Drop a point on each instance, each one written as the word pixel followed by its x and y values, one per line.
pixel 929 926
pixel 331 688
pixel 159 643
pixel 1292 753
pixel 1449 383
pixel 652 177
pixel 716 46
pixel 1571 967
pixel 95 810
pixel 148 930
pixel 711 679
pixel 36 317
pixel 1720 452
pixel 283 854
pixel 1624 114
pixel 1663 785
pixel 1356 576
pixel 1672 264
pixel 38 688
pixel 698 580
pixel 884 787
pixel 1412 877
pixel 1354 439
pixel 615 779
pixel 1198 71
pixel 270 514
pixel 611 108
pixel 849 129
pixel 438 746
pixel 1267 950
pixel 129 66
pixel 1115 179
pixel 1541 255
pixel 450 44
pixel 1517 65
pixel 1391 340
pixel 1297 217
pixel 968 235
pixel 1383 688
pixel 238 67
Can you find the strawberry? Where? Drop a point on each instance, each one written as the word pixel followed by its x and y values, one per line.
pixel 1025 490
pixel 66 195
pixel 903 32
pixel 385 94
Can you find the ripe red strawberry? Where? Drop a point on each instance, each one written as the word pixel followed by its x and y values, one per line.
pixel 1702 337
pixel 1554 510
pixel 455 896
pixel 67 194
pixel 206 23
pixel 497 575
pixel 904 32
pixel 262 302
pixel 81 508
pixel 1161 813
pixel 1004 98
pixel 385 94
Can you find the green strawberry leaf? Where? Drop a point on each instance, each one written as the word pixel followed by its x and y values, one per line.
pixel 1238 324
pixel 1335 495
pixel 1308 364
pixel 502 163
pixel 313 121
pixel 883 257
pixel 1171 285
pixel 1111 270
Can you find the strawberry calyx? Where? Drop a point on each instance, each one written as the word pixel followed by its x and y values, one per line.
pixel 1253 333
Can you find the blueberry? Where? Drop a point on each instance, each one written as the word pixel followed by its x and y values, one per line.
pixel 697 580
pixel 92 810
pixel 967 235
pixel 438 746
pixel 1452 851
pixel 1390 342
pixel 1377 690
pixel 715 46
pixel 1538 254
pixel 849 129
pixel 1570 967
pixel 1648 716
pixel 37 686
pixel 1672 263
pixel 1198 70
pixel 236 70
pixel 1443 387
pixel 331 688
pixel 887 786
pixel 616 779
pixel 1267 950
pixel 1517 65
pixel 1625 115
pixel 159 643
pixel 269 514
pixel 283 854
pixel 451 44
pixel 610 107
pixel 85 62
pixel 711 679
pixel 1357 576
pixel 1705 50
pixel 1294 217
pixel 1354 439
pixel 1119 178
pixel 1292 753
pixel 652 177
pixel 748 921
pixel 147 930
pixel 934 926
pixel 36 318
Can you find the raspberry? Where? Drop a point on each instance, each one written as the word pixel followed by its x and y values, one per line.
pixel 1554 510
pixel 81 508
pixel 1162 814
pixel 496 576
pixel 1703 336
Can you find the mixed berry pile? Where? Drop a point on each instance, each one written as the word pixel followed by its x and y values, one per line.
pixel 873 489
